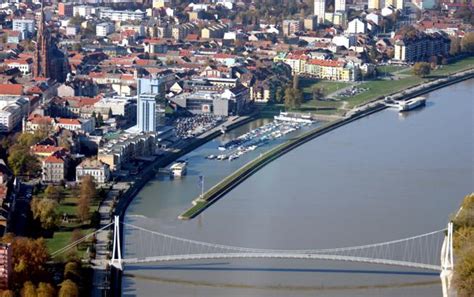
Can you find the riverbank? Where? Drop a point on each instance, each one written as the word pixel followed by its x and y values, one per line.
pixel 231 181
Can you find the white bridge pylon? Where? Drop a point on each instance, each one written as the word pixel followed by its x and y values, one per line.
pixel 146 246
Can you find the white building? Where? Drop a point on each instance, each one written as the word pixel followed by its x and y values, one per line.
pixel 79 125
pixel 25 26
pixel 104 29
pixel 123 15
pixel 83 10
pixel 339 5
pixel 356 26
pixel 344 40
pixel 23 65
pixel 12 111
pixel 320 9
pixel 374 17
pixel 95 168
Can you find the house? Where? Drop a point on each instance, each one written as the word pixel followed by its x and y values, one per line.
pixel 44 151
pixel 357 26
pixel 79 125
pixel 54 168
pixel 95 168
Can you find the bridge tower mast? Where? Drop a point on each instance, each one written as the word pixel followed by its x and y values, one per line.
pixel 116 261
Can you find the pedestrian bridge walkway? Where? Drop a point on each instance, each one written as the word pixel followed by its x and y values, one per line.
pixel 431 251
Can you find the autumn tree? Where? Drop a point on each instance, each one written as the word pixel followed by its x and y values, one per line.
pixel 455 47
pixel 46 290
pixel 22 162
pixel 7 293
pixel 422 69
pixel 293 98
pixel 29 290
pixel 88 187
pixel 68 289
pixel 54 193
pixel 72 271
pixel 87 193
pixel 28 259
pixel 467 43
pixel 45 210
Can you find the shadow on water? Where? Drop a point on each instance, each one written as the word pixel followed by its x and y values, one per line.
pixel 208 267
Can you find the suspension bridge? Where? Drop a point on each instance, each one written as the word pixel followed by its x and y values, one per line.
pixel 430 251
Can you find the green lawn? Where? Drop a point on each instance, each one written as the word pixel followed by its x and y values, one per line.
pixel 390 68
pixel 381 88
pixel 63 238
pixel 307 84
pixel 454 67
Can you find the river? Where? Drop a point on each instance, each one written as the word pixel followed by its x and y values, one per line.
pixel 380 178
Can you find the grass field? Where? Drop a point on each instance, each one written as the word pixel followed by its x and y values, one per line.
pixel 381 88
pixel 63 238
pixel 390 68
pixel 63 235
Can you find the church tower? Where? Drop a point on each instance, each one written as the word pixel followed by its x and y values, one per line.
pixel 41 57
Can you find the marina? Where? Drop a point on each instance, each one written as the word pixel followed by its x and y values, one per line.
pixel 248 142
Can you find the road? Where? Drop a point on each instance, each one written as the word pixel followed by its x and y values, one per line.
pixel 21 210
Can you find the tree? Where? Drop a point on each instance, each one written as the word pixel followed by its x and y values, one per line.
pixel 7 293
pixel 46 290
pixel 83 208
pixel 317 93
pixel 464 269
pixel 100 120
pixel 68 289
pixel 45 210
pixel 289 98
pixel 72 271
pixel 279 95
pixel 455 47
pixel 22 162
pixel 29 290
pixel 28 259
pixel 76 235
pixel 467 43
pixel 54 193
pixel 296 82
pixel 422 69
pixel 88 187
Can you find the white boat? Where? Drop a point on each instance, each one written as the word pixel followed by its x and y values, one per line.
pixel 179 168
pixel 286 117
pixel 211 157
pixel 221 157
pixel 411 104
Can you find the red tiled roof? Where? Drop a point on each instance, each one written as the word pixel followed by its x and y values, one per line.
pixel 45 148
pixel 53 159
pixel 68 121
pixel 328 63
pixel 11 89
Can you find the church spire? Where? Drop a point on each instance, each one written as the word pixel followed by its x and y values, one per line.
pixel 41 57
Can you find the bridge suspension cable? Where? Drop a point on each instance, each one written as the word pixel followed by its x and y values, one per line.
pixel 75 243
pixel 422 251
